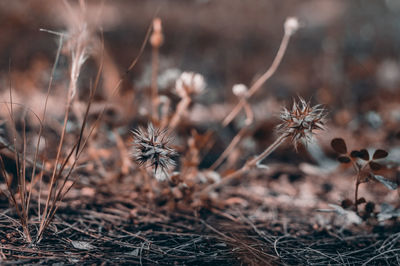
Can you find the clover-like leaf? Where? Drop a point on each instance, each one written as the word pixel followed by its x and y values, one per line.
pixel 369 207
pixel 380 154
pixel 339 145
pixel 346 203
pixel 361 201
pixel 375 166
pixel 363 154
pixel 355 154
pixel 343 159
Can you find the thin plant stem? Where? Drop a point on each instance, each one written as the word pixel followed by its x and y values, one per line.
pixel 235 141
pixel 248 165
pixel 261 80
pixel 258 159
pixel 60 44
pixel 154 84
pixel 180 110
pixel 229 149
pixel 53 176
pixel 356 195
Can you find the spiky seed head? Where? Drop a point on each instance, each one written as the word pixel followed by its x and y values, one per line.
pixel 301 121
pixel 151 147
pixel 189 83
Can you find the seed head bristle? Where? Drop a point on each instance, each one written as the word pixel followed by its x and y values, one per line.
pixel 300 122
pixel 151 147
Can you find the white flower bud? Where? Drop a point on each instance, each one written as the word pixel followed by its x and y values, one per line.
pixel 291 25
pixel 239 90
pixel 189 83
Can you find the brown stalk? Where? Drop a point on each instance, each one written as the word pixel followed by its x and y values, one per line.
pixel 357 183
pixel 238 137
pixel 180 110
pixel 60 145
pixel 156 40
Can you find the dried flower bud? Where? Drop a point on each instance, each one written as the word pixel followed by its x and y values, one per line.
pixel 300 122
pixel 239 90
pixel 189 83
pixel 291 25
pixel 157 38
pixel 151 146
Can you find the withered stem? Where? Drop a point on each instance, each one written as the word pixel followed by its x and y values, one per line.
pixel 248 165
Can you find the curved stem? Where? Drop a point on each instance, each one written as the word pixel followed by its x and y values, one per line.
pixel 228 150
pixel 261 80
pixel 248 165
pixel 269 150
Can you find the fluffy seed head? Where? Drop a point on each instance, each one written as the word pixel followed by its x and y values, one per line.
pixel 151 147
pixel 300 122
pixel 239 90
pixel 189 83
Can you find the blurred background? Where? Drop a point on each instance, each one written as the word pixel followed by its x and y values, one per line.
pixel 345 49
pixel 345 56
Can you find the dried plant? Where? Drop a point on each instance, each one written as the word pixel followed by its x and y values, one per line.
pixel 291 25
pixel 151 147
pixel 366 167
pixel 156 40
pixel 187 85
pixel 298 124
pixel 243 93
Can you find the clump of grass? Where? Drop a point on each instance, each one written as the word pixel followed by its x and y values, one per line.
pixel 62 176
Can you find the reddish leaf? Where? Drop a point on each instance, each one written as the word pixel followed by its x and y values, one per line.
pixel 339 145
pixel 346 203
pixel 355 154
pixel 375 166
pixel 343 159
pixel 379 154
pixel 369 207
pixel 364 155
pixel 361 201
